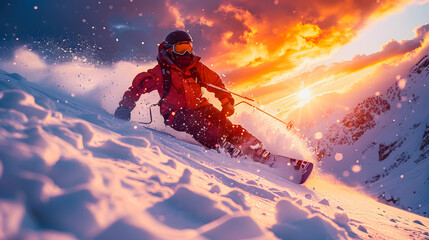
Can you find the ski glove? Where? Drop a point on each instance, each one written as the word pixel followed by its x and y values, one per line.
pixel 227 109
pixel 123 112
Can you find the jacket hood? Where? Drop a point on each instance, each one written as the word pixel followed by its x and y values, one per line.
pixel 163 57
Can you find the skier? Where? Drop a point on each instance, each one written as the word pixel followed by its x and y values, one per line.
pixel 178 78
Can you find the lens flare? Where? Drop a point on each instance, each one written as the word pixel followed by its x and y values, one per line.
pixel 304 96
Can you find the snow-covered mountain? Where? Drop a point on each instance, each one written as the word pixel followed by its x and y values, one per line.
pixel 70 171
pixel 383 143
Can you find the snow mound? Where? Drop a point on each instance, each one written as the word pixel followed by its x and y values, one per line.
pixel 70 171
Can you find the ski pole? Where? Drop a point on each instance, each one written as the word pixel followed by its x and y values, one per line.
pixel 150 114
pixel 289 125
pixel 233 93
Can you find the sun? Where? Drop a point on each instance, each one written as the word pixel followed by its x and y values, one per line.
pixel 304 96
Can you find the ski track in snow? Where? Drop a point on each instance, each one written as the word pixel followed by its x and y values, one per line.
pixel 70 171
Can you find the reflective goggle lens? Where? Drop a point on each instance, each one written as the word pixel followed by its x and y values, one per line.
pixel 181 48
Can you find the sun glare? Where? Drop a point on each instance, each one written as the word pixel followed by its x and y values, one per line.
pixel 304 96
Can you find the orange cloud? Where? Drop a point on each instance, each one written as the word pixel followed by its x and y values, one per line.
pixel 323 75
pixel 254 42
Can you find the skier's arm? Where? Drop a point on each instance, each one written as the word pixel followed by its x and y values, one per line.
pixel 142 83
pixel 209 76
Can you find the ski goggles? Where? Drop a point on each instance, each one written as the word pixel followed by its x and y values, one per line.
pixel 181 48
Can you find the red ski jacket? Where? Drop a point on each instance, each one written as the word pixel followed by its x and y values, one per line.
pixel 184 92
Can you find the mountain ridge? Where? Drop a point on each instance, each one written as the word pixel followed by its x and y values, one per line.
pixel 384 129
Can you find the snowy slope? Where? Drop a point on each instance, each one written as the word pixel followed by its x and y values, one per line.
pixel 382 143
pixel 70 171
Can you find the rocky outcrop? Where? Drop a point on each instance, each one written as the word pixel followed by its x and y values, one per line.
pixel 425 139
pixel 385 150
pixel 420 65
pixel 395 128
pixel 360 119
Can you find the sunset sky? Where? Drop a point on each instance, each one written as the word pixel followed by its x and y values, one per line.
pixel 269 50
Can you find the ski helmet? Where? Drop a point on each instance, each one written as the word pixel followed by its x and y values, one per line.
pixel 176 37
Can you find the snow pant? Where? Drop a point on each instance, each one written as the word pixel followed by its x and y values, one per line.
pixel 209 127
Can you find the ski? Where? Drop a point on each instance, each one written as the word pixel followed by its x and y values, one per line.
pixel 304 166
pixel 293 169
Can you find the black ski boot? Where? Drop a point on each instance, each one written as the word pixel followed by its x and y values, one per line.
pixel 261 154
pixel 230 149
pixel 254 149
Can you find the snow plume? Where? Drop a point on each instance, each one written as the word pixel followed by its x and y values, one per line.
pixel 277 138
pixel 99 86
